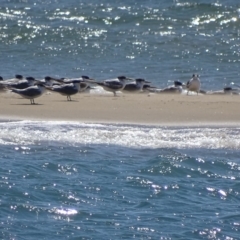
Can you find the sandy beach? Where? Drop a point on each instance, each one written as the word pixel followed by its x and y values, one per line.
pixel 154 109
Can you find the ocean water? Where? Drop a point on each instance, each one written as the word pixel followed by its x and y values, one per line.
pixel 160 41
pixel 72 180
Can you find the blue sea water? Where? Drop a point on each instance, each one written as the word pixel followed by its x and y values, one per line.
pixel 62 180
pixel 72 180
pixel 160 41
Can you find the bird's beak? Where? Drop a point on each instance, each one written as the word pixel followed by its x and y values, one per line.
pixel 56 79
pixel 88 80
pixel 147 82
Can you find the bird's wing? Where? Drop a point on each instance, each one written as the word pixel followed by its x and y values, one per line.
pixel 113 84
pixel 130 86
pixel 64 89
pixel 19 85
pixel 29 92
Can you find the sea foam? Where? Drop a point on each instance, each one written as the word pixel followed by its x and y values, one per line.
pixel 132 136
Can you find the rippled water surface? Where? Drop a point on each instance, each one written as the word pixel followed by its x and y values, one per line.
pixel 93 181
pixel 160 41
pixel 62 180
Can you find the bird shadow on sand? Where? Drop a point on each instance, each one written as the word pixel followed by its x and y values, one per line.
pixel 28 104
pixel 64 101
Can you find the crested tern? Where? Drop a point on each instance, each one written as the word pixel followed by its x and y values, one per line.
pixel 67 89
pixel 113 85
pixel 84 82
pixel 31 92
pixel 135 87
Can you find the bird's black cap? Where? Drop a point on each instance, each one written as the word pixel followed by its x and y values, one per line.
pixel 121 77
pixel 178 83
pixel 18 76
pixel 30 78
pixel 47 78
pixel 86 77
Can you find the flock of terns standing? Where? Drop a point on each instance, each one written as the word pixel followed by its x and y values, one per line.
pixel 30 88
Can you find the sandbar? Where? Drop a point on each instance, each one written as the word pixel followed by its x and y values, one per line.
pixel 143 109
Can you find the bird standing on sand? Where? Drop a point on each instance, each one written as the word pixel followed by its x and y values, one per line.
pixel 193 84
pixel 113 85
pixel 31 92
pixel 135 87
pixel 84 82
pixel 67 89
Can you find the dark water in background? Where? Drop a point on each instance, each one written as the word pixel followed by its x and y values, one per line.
pixel 157 40
pixel 83 181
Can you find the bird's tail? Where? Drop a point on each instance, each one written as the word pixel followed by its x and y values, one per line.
pixel 149 89
pixel 49 88
pixel 14 90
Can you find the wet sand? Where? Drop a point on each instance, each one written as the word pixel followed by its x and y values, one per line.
pixel 153 109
